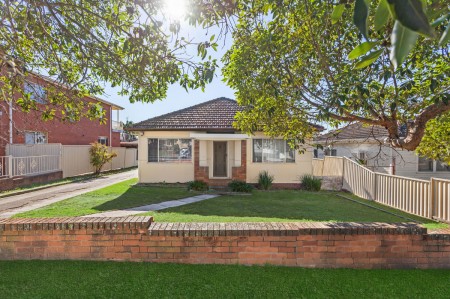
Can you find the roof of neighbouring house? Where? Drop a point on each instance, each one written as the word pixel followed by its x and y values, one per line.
pixel 354 131
pixel 217 114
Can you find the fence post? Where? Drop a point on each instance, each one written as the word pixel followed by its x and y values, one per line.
pixel 432 199
pixel 374 193
pixel 10 168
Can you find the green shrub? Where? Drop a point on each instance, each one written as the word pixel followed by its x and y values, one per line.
pixel 99 156
pixel 240 186
pixel 310 183
pixel 265 180
pixel 197 186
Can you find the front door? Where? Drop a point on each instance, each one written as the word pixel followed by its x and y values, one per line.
pixel 220 159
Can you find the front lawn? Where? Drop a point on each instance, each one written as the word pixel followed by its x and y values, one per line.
pixel 261 206
pixel 118 196
pixel 282 205
pixel 76 279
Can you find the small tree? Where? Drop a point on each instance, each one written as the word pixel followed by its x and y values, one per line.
pixel 100 155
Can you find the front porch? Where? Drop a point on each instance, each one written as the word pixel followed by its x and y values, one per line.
pixel 220 158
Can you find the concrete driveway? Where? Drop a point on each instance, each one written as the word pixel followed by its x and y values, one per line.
pixel 15 204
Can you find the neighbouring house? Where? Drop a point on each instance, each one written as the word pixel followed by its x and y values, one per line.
pixel 366 145
pixel 18 127
pixel 200 143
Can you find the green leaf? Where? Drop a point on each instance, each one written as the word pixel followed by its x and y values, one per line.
pixel 369 59
pixel 360 15
pixel 403 40
pixel 337 13
pixel 445 37
pixel 440 20
pixel 381 15
pixel 361 50
pixel 412 16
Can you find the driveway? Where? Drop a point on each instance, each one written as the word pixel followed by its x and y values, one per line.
pixel 15 204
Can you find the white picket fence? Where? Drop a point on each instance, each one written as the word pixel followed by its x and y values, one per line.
pixel 430 199
pixel 72 160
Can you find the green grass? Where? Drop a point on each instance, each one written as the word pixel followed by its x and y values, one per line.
pixel 76 279
pixel 261 206
pixel 61 182
pixel 280 206
pixel 118 196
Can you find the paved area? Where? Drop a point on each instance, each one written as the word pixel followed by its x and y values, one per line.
pixel 9 206
pixel 154 207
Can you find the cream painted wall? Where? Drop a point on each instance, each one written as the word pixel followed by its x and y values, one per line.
pixel 169 172
pixel 184 171
pixel 282 172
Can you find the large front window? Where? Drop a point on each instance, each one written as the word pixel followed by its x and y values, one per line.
pixel 272 150
pixel 169 150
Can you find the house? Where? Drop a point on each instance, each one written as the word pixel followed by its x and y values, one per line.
pixel 18 127
pixel 200 143
pixel 366 145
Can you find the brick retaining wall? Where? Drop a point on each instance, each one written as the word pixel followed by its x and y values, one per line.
pixel 324 245
pixel 16 182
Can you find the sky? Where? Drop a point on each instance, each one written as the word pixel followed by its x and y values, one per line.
pixel 177 97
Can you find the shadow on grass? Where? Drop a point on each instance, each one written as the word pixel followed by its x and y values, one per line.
pixel 281 205
pixel 137 196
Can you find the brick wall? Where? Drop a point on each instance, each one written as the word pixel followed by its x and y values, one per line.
pixel 16 182
pixel 201 173
pixel 324 245
pixel 82 132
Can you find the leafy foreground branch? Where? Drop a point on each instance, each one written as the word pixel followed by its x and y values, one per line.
pixel 294 64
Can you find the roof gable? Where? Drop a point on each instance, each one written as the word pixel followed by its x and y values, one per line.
pixel 217 114
pixel 354 131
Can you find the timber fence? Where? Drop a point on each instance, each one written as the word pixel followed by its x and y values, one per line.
pixel 429 199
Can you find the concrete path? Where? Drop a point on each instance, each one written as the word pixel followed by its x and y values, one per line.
pixel 154 207
pixel 15 204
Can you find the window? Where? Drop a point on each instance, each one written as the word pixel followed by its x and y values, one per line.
pixel 169 150
pixel 272 150
pixel 330 152
pixel 103 140
pixel 441 166
pixel 425 164
pixel 36 91
pixel 316 153
pixel 35 137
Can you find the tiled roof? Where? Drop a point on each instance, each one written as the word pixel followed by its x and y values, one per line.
pixel 217 114
pixel 354 131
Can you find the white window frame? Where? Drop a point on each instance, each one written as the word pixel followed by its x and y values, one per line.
pixel 270 162
pixel 103 140
pixel 180 158
pixel 36 136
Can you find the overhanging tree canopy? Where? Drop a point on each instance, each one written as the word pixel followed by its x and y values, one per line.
pixel 290 64
pixel 82 44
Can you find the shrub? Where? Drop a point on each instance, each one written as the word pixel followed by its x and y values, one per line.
pixel 265 180
pixel 197 186
pixel 99 156
pixel 311 183
pixel 240 186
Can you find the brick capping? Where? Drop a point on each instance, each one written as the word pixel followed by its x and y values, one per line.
pixel 75 223
pixel 283 229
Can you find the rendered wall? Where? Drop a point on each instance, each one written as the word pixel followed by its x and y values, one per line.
pixel 284 173
pixel 169 172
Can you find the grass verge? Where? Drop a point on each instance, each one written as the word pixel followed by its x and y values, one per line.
pixel 76 279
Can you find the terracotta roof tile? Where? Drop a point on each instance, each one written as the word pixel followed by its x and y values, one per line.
pixel 217 114
pixel 355 131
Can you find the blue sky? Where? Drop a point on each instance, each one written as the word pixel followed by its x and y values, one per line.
pixel 177 97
